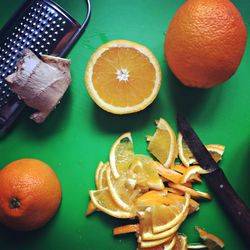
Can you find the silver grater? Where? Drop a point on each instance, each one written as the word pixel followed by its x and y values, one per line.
pixel 45 28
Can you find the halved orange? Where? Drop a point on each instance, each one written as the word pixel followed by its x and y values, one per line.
pixel 123 77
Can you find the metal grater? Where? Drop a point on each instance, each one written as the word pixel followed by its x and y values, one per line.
pixel 45 28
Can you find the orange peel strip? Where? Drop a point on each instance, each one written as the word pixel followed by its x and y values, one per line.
pixel 192 192
pixel 131 228
pixel 90 209
pixel 168 173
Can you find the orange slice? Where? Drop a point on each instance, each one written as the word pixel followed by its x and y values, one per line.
pixel 100 176
pixel 123 190
pixel 123 77
pixel 210 240
pixel 158 244
pixel 165 217
pixel 192 172
pixel 186 156
pixel 193 205
pixel 131 228
pixel 182 169
pixel 163 144
pixel 149 235
pixel 104 202
pixel 143 171
pixel 121 154
pixel 146 226
pixel 181 242
pixel 100 181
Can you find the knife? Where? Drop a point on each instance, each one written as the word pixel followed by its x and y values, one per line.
pixel 235 208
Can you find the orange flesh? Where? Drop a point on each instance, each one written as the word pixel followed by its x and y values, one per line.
pixel 136 87
pixel 169 174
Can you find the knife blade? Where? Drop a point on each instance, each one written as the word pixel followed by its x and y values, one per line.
pixel 235 208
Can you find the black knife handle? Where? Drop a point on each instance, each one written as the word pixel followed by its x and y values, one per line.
pixel 231 202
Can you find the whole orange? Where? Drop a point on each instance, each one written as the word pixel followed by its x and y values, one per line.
pixel 205 42
pixel 30 194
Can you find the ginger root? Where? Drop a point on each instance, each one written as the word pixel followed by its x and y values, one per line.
pixel 40 83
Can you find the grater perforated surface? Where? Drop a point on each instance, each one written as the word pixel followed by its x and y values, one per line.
pixel 40 27
pixel 45 28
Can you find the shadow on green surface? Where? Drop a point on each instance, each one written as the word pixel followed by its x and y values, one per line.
pixel 190 101
pixel 111 223
pixel 26 240
pixel 120 123
pixel 242 171
pixel 53 123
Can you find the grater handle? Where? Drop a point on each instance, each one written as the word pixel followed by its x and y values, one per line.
pixel 9 114
pixel 79 32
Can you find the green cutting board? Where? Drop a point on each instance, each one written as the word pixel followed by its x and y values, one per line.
pixel 78 134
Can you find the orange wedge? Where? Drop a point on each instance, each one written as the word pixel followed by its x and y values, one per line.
pixel 165 217
pixel 210 240
pixel 181 242
pixel 182 169
pixel 157 244
pixel 100 176
pixel 132 228
pixel 216 150
pixel 169 245
pixel 121 191
pixel 163 144
pixel 101 182
pixel 193 205
pixel 192 172
pixel 123 77
pixel 149 235
pixel 104 202
pixel 121 154
pixel 143 171
pixel 187 157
